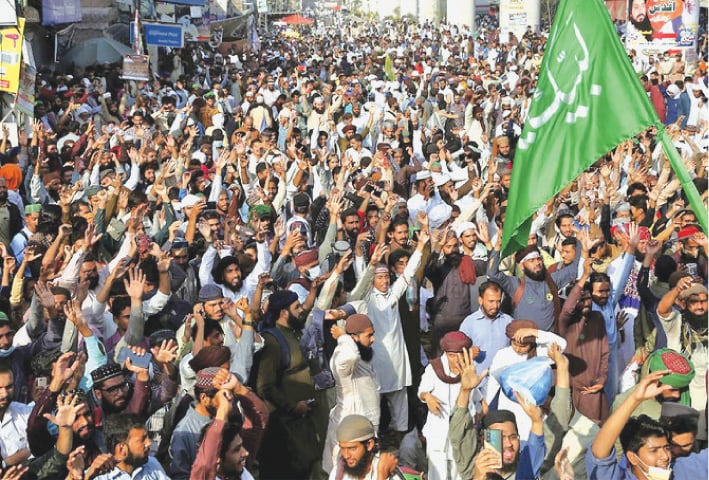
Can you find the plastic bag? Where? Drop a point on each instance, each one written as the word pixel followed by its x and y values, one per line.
pixel 531 379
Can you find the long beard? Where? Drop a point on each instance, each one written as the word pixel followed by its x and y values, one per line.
pixel 362 467
pixel 454 259
pixel 295 323
pixel 697 322
pixel 511 467
pixel 234 288
pixel 538 276
pixel 366 353
pixel 134 461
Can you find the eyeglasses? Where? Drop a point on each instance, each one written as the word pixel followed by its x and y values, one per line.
pixel 112 390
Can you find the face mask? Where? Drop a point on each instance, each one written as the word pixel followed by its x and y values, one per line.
pixel 656 473
pixel 6 353
pixel 313 273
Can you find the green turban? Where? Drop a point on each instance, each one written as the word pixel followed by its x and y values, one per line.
pixel 33 208
pixel 260 210
pixel 682 370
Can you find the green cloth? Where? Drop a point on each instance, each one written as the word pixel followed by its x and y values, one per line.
pixel 3 317
pixel 682 370
pixel 583 69
pixel 91 191
pixel 33 208
pixel 261 211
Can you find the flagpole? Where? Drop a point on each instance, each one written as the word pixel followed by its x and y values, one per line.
pixel 695 200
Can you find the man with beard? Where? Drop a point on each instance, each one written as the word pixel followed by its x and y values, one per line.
pixel 10 217
pixel 292 443
pixel 629 300
pixel 84 429
pixel 318 118
pixel 440 386
pixel 19 241
pixel 518 461
pixel 128 441
pixel 453 276
pixel 115 394
pixel 683 316
pixel 487 326
pixel 185 438
pixel 607 291
pixel 184 278
pixel 692 256
pixel 391 360
pixel 222 451
pixel 359 458
pixel 227 272
pixel 535 296
pixel 13 421
pixel 679 372
pixel 355 378
pixel 587 349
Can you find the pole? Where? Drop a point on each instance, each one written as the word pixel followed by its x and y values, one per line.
pixel 695 200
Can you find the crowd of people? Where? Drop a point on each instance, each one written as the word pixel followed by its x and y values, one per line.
pixel 286 264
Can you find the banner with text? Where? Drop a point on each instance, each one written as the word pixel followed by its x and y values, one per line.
pixel 657 26
pixel 11 56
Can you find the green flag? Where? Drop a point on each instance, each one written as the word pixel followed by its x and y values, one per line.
pixel 389 69
pixel 588 100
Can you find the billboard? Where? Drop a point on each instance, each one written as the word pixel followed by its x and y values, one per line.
pixel 656 26
pixel 160 34
pixel 11 56
pixel 516 16
pixel 67 11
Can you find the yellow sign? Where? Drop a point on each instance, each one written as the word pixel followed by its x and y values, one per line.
pixel 11 56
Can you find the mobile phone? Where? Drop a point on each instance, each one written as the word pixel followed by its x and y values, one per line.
pixel 107 95
pixel 492 439
pixel 211 205
pixel 140 361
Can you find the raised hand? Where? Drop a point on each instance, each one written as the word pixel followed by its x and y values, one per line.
pixel 163 262
pixel 205 230
pixel 379 252
pixel 487 461
pixel 336 331
pixel 469 378
pixel 9 264
pixel 45 296
pixel 523 333
pixel 67 410
pixel 166 352
pixel 62 370
pixel 135 283
pixel 91 237
pixel 128 365
pixel 532 411
pixel 72 310
pixel 423 239
pixel 650 387
pixel 30 254
pixel 557 356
